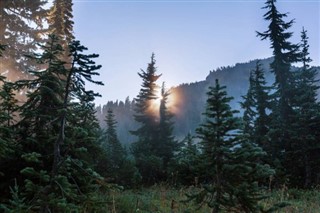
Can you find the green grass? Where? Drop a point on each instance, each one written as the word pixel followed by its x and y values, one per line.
pixel 161 199
pixel 300 201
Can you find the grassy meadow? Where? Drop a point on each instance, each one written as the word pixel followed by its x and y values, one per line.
pixel 161 199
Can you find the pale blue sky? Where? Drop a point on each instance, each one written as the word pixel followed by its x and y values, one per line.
pixel 189 38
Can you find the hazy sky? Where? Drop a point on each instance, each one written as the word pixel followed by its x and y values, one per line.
pixel 189 38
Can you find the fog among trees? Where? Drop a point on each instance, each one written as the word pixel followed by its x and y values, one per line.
pixel 228 143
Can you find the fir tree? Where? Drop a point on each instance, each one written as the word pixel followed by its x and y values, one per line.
pixel 8 106
pixel 167 145
pixel 60 21
pixel 149 164
pixel 256 104
pixel 20 29
pixel 184 169
pixel 248 105
pixel 57 129
pixel 231 161
pixel 113 147
pixel 285 53
pixel 306 121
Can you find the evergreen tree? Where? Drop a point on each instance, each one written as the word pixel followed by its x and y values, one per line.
pixel 114 150
pixel 285 53
pixel 248 105
pixel 184 166
pixel 167 145
pixel 60 21
pixel 148 163
pixel 20 29
pixel 54 134
pixel 118 167
pixel 8 109
pixel 306 121
pixel 8 106
pixel 232 162
pixel 256 104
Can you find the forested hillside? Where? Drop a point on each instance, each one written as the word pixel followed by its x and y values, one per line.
pixel 190 99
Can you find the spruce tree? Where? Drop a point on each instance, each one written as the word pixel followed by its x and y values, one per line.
pixel 8 109
pixel 306 121
pixel 57 129
pixel 285 53
pixel 60 21
pixel 143 150
pixel 256 104
pixel 248 105
pixel 20 29
pixel 184 169
pixel 114 150
pixel 8 106
pixel 232 163
pixel 167 145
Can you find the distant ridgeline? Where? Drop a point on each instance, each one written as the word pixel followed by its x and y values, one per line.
pixel 190 99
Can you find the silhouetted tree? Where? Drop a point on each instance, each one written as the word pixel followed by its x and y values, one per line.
pixel 144 149
pixel 167 145
pixel 256 104
pixel 285 53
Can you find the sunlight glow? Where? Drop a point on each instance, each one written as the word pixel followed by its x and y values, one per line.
pixel 156 103
pixel 171 104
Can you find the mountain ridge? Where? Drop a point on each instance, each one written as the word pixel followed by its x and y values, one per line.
pixel 190 99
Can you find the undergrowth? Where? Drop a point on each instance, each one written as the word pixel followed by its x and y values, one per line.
pixel 161 199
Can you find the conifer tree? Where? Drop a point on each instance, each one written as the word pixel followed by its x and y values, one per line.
pixel 184 168
pixel 167 145
pixel 285 53
pixel 55 135
pixel 114 150
pixel 306 121
pixel 255 105
pixel 231 161
pixel 8 106
pixel 248 104
pixel 149 164
pixel 60 21
pixel 20 29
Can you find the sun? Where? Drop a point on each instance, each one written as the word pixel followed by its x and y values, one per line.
pixel 170 103
pixel 159 98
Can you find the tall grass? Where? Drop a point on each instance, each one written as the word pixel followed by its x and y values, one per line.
pixel 162 199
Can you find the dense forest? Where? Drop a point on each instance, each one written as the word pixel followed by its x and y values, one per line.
pixel 228 142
